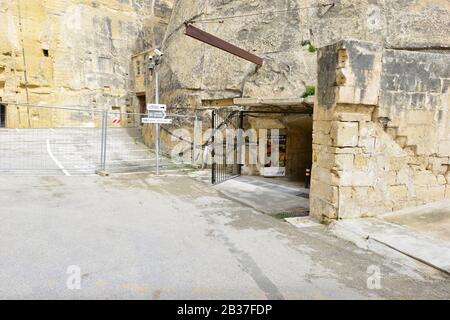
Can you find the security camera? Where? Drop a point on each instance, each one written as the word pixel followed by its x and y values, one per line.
pixel 158 53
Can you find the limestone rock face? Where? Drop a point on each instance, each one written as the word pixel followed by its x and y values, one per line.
pixel 75 52
pixel 193 71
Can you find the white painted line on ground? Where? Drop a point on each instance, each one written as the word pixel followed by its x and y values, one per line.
pixel 17 130
pixel 49 151
pixel 131 160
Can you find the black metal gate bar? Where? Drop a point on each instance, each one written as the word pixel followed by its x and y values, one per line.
pixel 213 151
pixel 222 120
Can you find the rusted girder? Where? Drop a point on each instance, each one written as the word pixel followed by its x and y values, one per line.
pixel 214 41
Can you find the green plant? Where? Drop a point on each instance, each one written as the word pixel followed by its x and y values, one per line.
pixel 311 47
pixel 309 92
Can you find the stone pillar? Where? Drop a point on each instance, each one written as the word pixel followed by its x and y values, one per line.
pixel 347 93
pixel 381 130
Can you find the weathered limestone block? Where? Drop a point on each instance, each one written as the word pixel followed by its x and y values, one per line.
pixel 356 115
pixel 358 178
pixel 344 162
pixel 325 192
pixel 357 202
pixel 349 73
pixel 345 134
pixel 438 165
pixel 425 178
pixel 444 147
pixel 398 193
pixel 441 179
pixel 324 159
pixel 367 137
pixel 322 209
pixel 323 139
pixel 447 177
pixel 436 193
pixel 361 161
pixel 397 145
pixel 322 127
pixel 405 176
pixel 326 176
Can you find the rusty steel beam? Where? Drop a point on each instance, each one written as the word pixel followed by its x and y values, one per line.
pixel 208 38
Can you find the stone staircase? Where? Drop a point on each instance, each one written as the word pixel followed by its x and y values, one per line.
pixel 402 140
pixel 412 150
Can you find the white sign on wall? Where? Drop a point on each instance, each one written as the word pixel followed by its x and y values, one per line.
pixel 156 121
pixel 156 114
pixel 156 107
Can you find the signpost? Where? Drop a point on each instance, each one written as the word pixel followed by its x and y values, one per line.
pixel 156 111
pixel 157 115
pixel 156 121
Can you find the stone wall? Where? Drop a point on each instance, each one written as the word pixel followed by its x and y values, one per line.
pixel 193 71
pixel 381 130
pixel 73 52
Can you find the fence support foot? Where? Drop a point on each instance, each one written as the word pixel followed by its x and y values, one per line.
pixel 102 173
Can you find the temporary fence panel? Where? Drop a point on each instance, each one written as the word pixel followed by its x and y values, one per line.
pixel 41 140
pixel 50 141
pixel 123 145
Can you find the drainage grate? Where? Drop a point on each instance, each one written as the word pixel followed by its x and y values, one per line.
pixel 292 214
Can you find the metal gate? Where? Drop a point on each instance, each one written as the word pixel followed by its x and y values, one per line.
pixel 226 150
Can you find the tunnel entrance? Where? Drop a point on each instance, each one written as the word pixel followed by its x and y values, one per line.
pixel 282 141
pixel 289 137
pixel 283 128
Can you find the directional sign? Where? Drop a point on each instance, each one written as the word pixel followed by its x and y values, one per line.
pixel 156 107
pixel 156 121
pixel 157 114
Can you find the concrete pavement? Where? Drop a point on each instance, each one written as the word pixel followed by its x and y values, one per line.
pixel 421 233
pixel 141 236
pixel 269 196
pixel 432 219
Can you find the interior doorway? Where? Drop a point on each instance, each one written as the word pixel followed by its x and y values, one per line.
pixel 142 104
pixel 2 116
